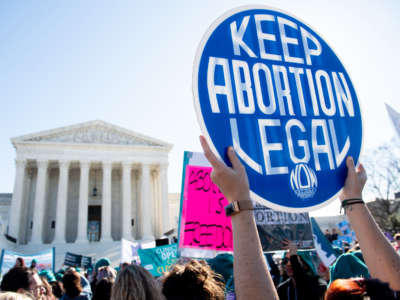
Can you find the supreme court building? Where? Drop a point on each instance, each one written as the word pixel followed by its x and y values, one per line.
pixel 89 182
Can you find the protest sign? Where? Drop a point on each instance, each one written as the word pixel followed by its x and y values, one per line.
pixel 348 235
pixel 45 259
pixel 87 262
pixel 158 260
pixel 204 224
pixel 129 251
pixel 72 259
pixel 268 84
pixel 275 226
pixel 322 245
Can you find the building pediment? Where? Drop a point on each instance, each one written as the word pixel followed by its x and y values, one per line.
pixel 93 132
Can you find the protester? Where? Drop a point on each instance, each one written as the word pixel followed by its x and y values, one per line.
pixel 252 278
pixel 136 283
pixel 22 280
pixel 19 262
pixel 301 284
pixel 328 235
pixel 360 288
pixel 72 286
pixel 334 235
pixel 14 296
pixel 106 272
pixel 33 265
pixel 193 280
pixel 103 288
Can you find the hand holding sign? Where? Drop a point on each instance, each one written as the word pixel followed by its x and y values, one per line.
pixel 355 181
pixel 233 181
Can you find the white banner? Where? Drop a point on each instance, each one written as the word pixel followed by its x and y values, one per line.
pixel 129 251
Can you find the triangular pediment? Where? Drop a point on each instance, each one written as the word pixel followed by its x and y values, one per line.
pixel 93 132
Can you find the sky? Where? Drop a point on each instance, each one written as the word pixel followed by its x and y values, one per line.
pixel 130 63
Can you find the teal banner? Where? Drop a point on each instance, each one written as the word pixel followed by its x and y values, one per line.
pixel 158 260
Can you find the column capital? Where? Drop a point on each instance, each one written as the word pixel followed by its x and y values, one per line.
pixel 64 164
pixel 145 165
pixel 20 162
pixel 42 163
pixel 84 164
pixel 127 165
pixel 163 165
pixel 106 164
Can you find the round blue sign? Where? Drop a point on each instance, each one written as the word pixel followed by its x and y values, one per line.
pixel 269 85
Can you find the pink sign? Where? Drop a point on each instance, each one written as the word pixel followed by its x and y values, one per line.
pixel 203 223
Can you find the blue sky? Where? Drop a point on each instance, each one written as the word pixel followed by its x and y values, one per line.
pixel 130 63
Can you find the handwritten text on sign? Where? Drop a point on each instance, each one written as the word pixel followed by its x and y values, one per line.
pixel 204 224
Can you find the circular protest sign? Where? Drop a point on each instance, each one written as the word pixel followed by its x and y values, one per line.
pixel 268 84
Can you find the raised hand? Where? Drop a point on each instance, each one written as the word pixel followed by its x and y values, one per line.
pixel 233 181
pixel 355 181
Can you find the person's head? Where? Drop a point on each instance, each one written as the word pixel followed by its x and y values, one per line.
pixel 14 296
pixel 57 288
pixel 106 272
pixel 19 262
pixel 286 266
pixel 102 262
pixel 21 279
pixel 193 280
pixel 359 289
pixel 72 283
pixel 103 289
pixel 135 283
pixel 334 230
pixel 124 265
pixel 33 263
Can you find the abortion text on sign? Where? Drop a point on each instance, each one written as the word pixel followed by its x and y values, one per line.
pixel 270 86
pixel 203 223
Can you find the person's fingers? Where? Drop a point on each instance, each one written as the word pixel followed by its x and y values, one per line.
pixel 350 165
pixel 236 164
pixel 361 170
pixel 214 161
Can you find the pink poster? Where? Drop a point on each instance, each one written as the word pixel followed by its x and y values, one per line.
pixel 203 223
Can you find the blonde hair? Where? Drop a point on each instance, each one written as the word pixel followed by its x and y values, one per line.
pixel 193 280
pixel 135 283
pixel 14 296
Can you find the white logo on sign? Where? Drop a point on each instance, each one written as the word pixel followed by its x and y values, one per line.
pixel 303 181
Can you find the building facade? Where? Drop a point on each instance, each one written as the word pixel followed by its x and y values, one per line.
pixel 89 182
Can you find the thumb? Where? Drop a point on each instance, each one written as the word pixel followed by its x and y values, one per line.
pixel 236 164
pixel 350 166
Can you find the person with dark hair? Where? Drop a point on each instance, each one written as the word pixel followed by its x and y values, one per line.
pixel 33 264
pixel 193 280
pixel 19 262
pixel 301 283
pixel 72 286
pixel 135 283
pixel 58 290
pixel 16 279
pixel 22 280
pixel 103 289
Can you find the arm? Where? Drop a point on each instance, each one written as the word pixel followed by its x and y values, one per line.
pixel 252 278
pixel 382 260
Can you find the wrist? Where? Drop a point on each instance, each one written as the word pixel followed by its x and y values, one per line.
pixel 350 202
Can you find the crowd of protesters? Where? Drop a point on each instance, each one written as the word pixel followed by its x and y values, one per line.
pixel 371 270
